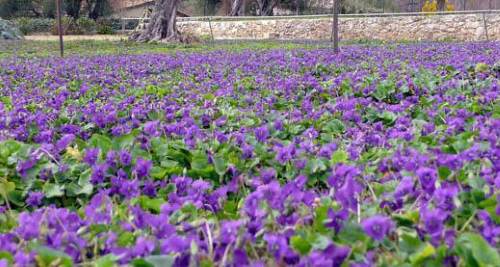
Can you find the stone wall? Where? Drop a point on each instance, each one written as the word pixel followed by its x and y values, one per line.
pixel 460 27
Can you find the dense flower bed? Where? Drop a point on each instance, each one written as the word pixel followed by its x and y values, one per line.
pixel 378 156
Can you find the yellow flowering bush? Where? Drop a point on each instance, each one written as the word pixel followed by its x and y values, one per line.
pixel 432 6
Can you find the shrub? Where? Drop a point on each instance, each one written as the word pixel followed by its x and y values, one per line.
pixel 432 6
pixel 86 25
pixel 82 25
pixel 34 25
pixel 105 26
pixel 69 26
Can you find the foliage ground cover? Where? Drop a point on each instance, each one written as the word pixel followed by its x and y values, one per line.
pixel 380 155
pixel 32 49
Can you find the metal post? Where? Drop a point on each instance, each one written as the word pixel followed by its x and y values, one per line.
pixel 123 26
pixel 210 26
pixel 59 27
pixel 485 27
pixel 335 26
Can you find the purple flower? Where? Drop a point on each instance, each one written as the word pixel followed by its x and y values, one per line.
pixel 433 221
pixel 125 157
pixel 337 219
pixel 99 172
pixel 490 230
pixel 444 196
pixel 285 154
pixel 377 226
pixel 24 166
pixel 143 247
pixel 151 128
pixel 267 175
pixel 278 125
pixel 29 224
pixel 427 178
pixel 35 199
pixel 99 209
pixel 111 158
pixel 174 244
pixel 404 188
pixel 64 142
pixel 142 167
pixel 240 258
pixel 247 151
pixel 327 150
pixel 261 134
pixel 91 156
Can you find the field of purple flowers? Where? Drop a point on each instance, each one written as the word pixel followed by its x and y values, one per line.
pixel 377 156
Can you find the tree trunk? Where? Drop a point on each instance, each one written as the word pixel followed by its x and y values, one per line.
pixel 96 8
pixel 72 8
pixel 266 7
pixel 237 8
pixel 441 5
pixel 161 26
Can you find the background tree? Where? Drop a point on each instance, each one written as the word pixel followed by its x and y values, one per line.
pixel 98 8
pixel 18 8
pixel 441 5
pixel 266 7
pixel 162 25
pixel 237 8
pixel 72 8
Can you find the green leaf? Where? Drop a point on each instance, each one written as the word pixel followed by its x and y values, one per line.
pixel 160 260
pixel 320 242
pixel 481 67
pixel 6 187
pixel 321 215
pixel 407 219
pixel 474 249
pixel 220 165
pixel 334 126
pixel 107 261
pixel 340 156
pixel 141 263
pixel 300 244
pixel 124 141
pixel 315 165
pixel 49 257
pixel 101 141
pixel 150 204
pixel 423 253
pixel 53 190
pixel 4 255
pixel 230 210
pixel 409 241
pixel 444 172
pixel 199 161
pixel 158 172
pixel 125 239
pixel 387 117
pixel 352 233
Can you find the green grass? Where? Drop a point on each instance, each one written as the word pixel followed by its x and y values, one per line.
pixel 85 47
pixel 30 49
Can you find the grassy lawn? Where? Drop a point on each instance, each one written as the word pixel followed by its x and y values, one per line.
pixel 91 47
pixel 32 48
